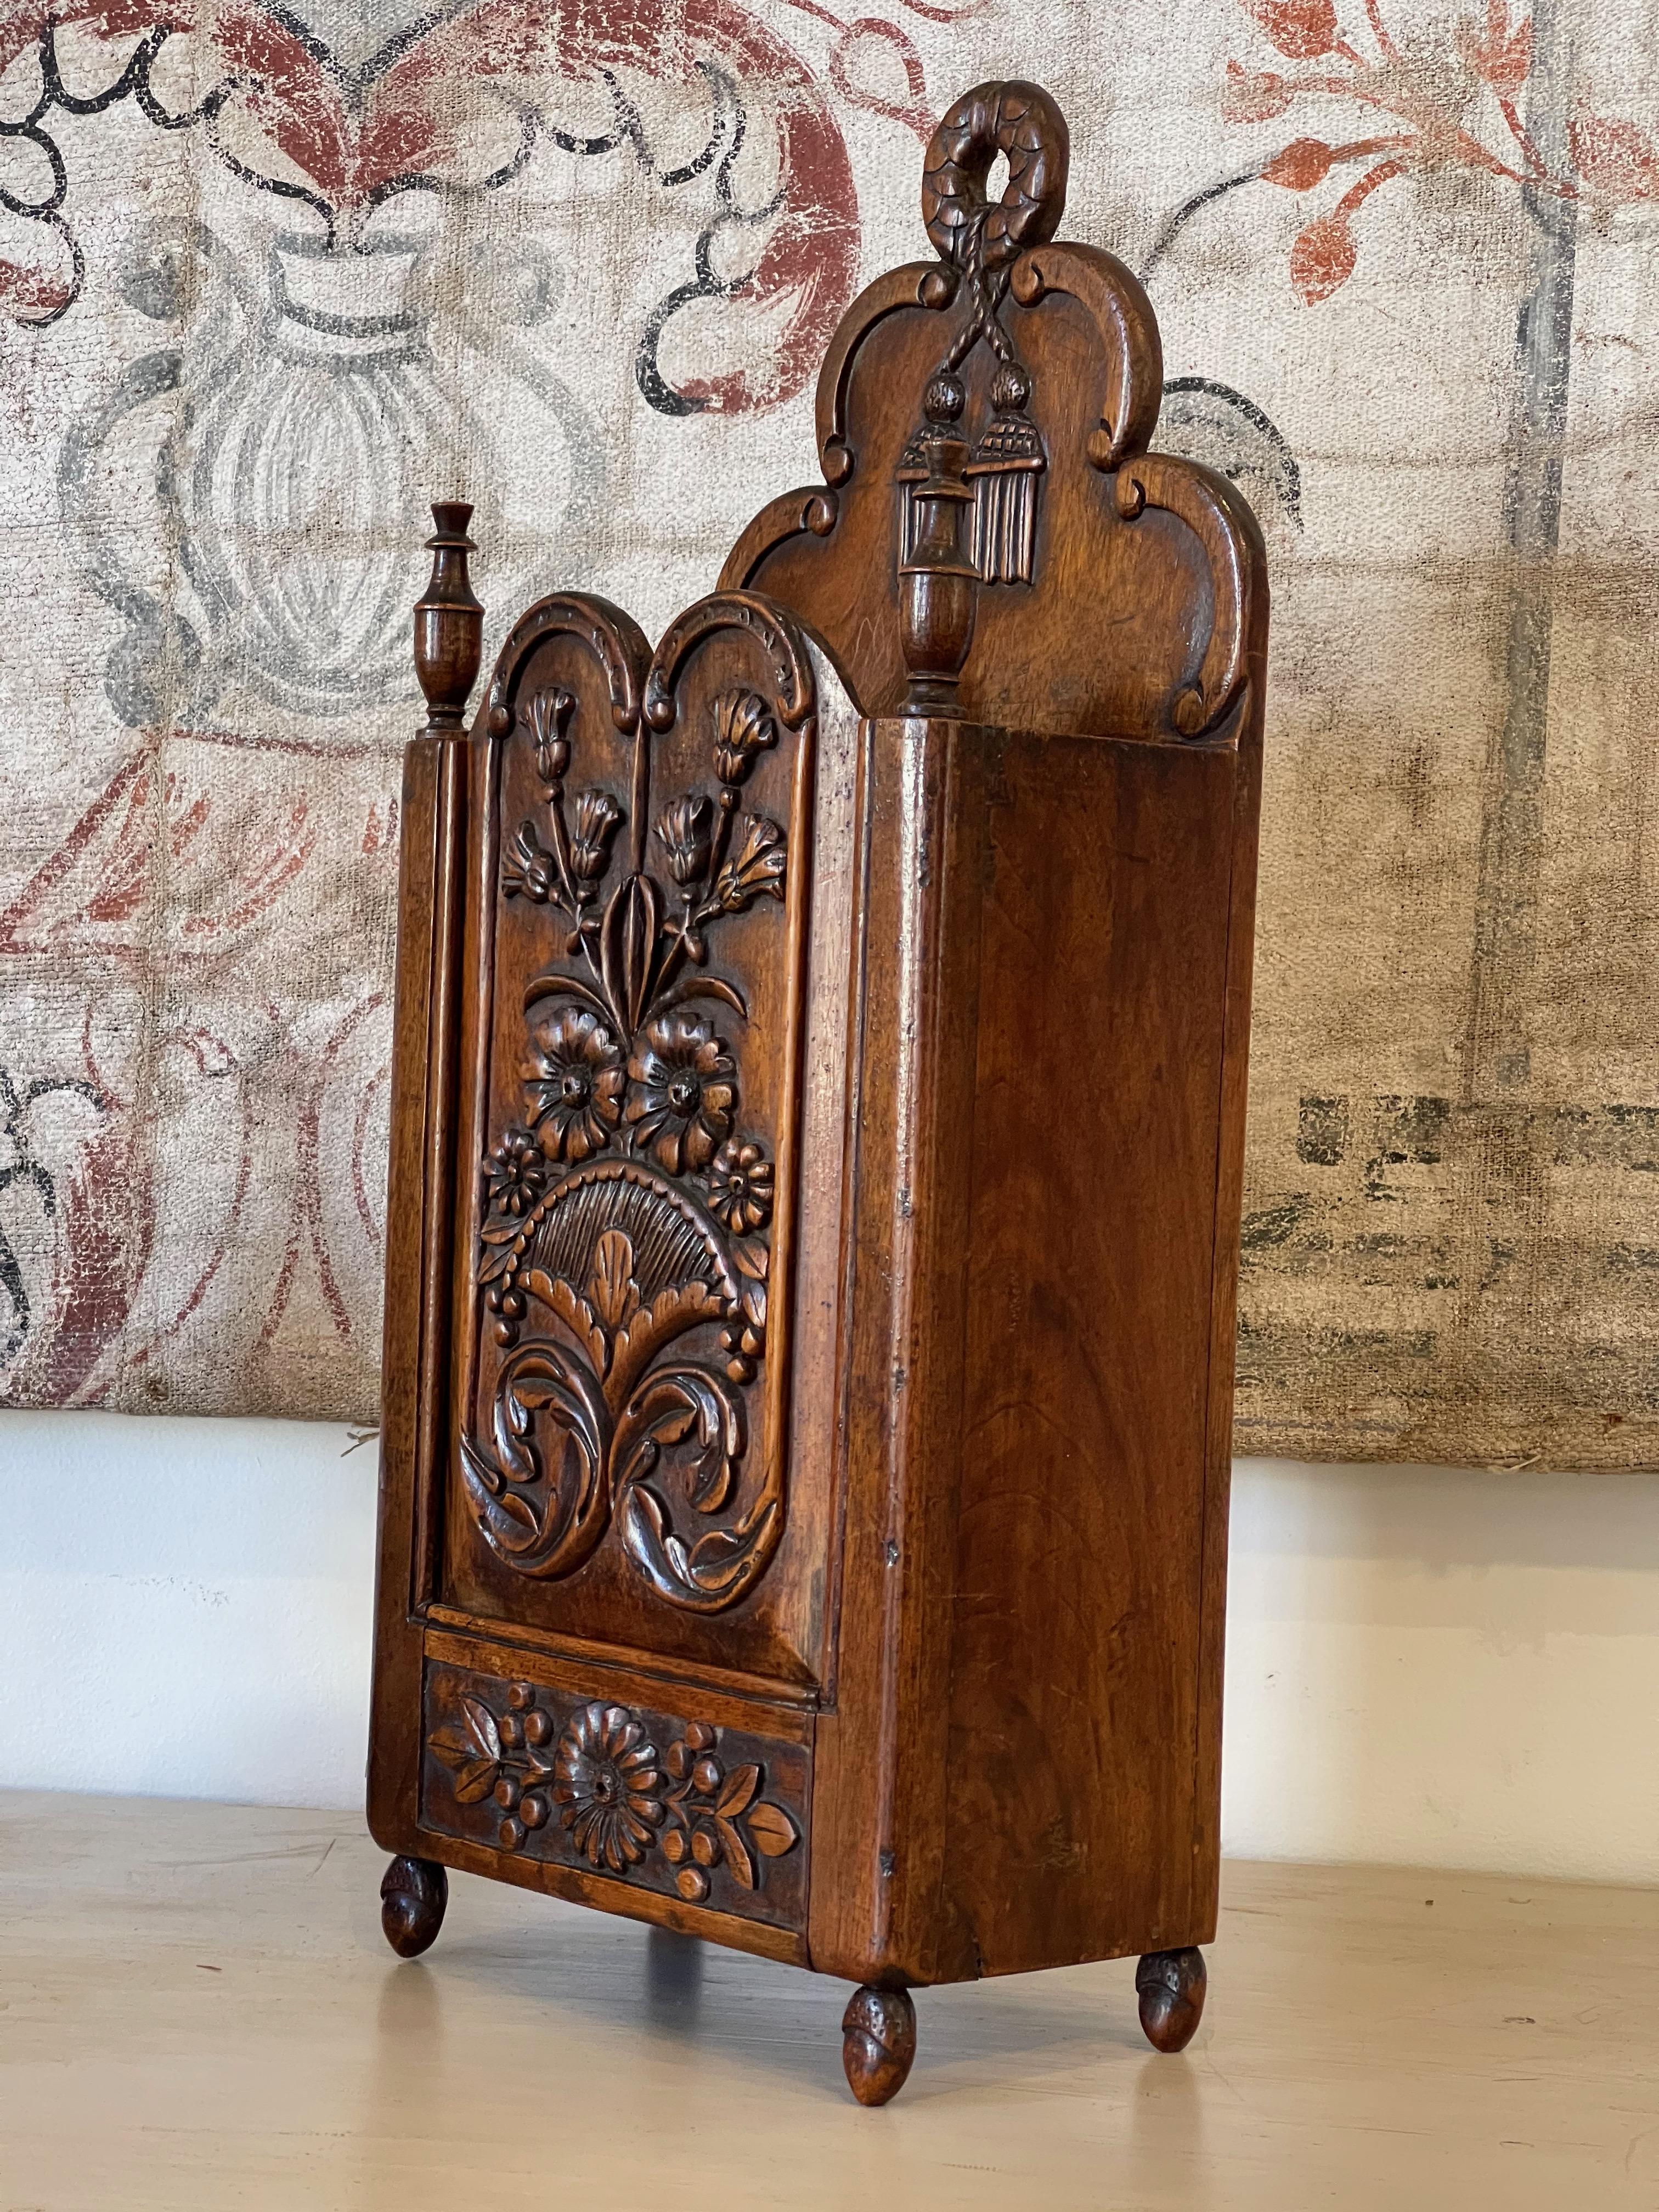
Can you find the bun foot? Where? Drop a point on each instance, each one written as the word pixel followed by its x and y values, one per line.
pixel 1171 1984
pixel 879 2042
pixel 412 1900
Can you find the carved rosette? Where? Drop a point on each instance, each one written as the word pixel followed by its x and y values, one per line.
pixel 678 1806
pixel 630 1204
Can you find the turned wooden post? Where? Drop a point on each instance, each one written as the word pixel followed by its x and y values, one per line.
pixel 448 622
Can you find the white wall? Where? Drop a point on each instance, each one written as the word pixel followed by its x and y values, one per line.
pixel 1424 1666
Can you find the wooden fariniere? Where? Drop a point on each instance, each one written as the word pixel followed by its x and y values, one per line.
pixel 818 1118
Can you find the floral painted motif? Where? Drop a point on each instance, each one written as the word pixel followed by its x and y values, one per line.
pixel 1436 103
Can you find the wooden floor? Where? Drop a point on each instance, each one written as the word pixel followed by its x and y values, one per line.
pixel 197 2010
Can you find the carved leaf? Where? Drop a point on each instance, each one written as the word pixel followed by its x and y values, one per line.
pixel 773 1831
pixel 480 1728
pixel 627 948
pixel 752 1258
pixel 506 1522
pixel 721 1558
pixel 467 1757
pixel 670 1314
pixel 472 1751
pixel 552 1528
pixel 712 1571
pixel 483 1471
pixel 705 987
pixel 676 1403
pixel 736 1852
pixel 570 1306
pixel 611 1288
pixel 475 1781
pixel 741 1784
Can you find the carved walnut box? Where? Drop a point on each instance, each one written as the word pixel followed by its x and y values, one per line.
pixel 818 1122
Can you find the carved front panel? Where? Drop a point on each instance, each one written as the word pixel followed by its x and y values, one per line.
pixel 644 876
pixel 662 1802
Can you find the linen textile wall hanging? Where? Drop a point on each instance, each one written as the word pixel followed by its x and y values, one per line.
pixel 262 266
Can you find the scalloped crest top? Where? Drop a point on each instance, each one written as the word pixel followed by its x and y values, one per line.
pixel 992 537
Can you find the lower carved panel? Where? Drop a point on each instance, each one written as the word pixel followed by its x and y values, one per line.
pixel 662 1802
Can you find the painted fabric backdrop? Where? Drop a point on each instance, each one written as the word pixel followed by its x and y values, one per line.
pixel 275 275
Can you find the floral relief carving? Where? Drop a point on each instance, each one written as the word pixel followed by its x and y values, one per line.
pixel 630 1206
pixel 573 1084
pixel 684 1091
pixel 597 1790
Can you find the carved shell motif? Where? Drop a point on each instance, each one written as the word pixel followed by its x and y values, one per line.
pixel 630 1204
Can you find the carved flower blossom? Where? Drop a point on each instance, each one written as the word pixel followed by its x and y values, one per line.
pixel 740 1187
pixel 516 1172
pixel 685 829
pixel 685 1088
pixel 529 870
pixel 758 867
pixel 597 817
pixel 605 1777
pixel 743 727
pixel 550 716
pixel 573 1084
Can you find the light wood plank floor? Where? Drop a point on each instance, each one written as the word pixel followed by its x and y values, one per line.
pixel 197 2013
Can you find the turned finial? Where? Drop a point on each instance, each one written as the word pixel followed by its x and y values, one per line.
pixel 448 621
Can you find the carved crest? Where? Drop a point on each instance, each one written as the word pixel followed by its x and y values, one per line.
pixel 629 1203
pixel 979 240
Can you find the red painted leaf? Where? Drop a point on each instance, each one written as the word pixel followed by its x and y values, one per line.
pixel 1300 28
pixel 1252 96
pixel 1322 257
pixel 1304 162
pixel 1617 159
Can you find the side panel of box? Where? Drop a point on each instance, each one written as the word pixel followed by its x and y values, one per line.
pixel 880 1776
pixel 1095 1125
pixel 416 1300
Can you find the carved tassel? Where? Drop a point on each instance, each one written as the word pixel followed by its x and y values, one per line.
pixel 911 471
pixel 1007 463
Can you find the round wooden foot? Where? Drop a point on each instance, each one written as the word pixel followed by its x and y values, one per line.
pixel 879 2042
pixel 1171 1985
pixel 412 1900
